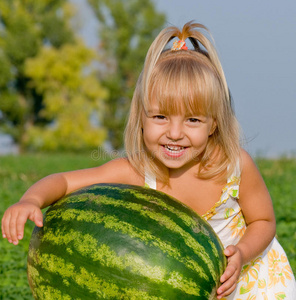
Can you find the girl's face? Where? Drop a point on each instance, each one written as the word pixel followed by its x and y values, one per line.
pixel 176 140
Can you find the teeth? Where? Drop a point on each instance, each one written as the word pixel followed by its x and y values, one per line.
pixel 174 148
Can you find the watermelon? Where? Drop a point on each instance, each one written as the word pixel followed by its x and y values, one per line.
pixel 115 241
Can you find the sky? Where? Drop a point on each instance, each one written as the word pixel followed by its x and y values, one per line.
pixel 256 42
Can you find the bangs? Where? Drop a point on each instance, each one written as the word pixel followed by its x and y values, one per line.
pixel 183 86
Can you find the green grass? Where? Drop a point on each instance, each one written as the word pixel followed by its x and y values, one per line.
pixel 17 173
pixel 280 178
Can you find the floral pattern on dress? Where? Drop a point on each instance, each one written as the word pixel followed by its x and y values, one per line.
pixel 230 190
pixel 279 270
pixel 250 272
pixel 238 224
pixel 250 277
pixel 267 277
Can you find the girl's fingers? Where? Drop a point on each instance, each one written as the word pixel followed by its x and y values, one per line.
pixel 226 292
pixel 14 219
pixel 2 228
pixel 12 229
pixel 231 275
pixel 37 218
pixel 6 226
pixel 228 286
pixel 4 234
pixel 20 225
pixel 229 272
pixel 230 250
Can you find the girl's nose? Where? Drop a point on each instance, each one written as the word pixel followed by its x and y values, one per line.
pixel 175 131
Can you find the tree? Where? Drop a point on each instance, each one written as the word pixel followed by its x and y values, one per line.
pixel 25 26
pixel 72 95
pixel 126 31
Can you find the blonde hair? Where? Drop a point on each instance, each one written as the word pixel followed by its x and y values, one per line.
pixel 185 81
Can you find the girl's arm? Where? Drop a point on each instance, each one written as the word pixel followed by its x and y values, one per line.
pixel 53 187
pixel 257 209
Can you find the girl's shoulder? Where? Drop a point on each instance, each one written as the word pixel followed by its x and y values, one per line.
pixel 252 182
pixel 120 170
pixel 254 198
pixel 247 164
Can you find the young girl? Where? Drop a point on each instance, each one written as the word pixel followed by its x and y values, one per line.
pixel 182 138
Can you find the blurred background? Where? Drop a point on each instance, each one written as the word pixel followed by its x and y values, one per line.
pixel 69 68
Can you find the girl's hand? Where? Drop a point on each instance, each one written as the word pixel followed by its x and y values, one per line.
pixel 15 217
pixel 230 276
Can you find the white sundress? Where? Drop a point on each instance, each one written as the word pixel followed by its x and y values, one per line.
pixel 268 276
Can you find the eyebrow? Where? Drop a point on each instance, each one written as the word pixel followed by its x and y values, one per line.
pixel 156 110
pixel 152 111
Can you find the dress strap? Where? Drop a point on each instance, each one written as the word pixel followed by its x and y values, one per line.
pixel 236 173
pixel 233 183
pixel 150 180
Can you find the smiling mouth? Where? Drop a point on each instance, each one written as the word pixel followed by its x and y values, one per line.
pixel 173 150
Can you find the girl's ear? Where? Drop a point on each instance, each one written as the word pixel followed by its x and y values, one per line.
pixel 214 126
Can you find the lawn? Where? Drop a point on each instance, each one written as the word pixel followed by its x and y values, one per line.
pixel 17 173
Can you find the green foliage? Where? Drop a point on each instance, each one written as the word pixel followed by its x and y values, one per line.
pixel 5 74
pixel 20 33
pixel 17 173
pixel 27 29
pixel 127 28
pixel 71 95
pixel 24 27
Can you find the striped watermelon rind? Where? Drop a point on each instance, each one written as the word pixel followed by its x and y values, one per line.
pixel 115 241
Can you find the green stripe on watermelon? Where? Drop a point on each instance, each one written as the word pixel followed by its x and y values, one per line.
pixel 170 228
pixel 108 257
pixel 155 274
pixel 115 224
pixel 170 260
pixel 149 198
pixel 81 281
pixel 87 281
pixel 65 238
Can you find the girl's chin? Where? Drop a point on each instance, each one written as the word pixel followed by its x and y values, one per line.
pixel 175 162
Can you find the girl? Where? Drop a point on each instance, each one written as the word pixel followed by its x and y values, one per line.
pixel 182 138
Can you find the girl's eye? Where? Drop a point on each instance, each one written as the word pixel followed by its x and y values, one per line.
pixel 193 120
pixel 159 117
